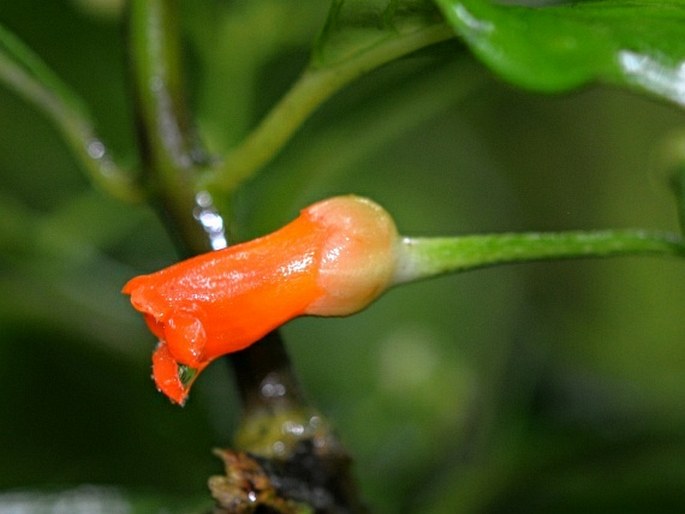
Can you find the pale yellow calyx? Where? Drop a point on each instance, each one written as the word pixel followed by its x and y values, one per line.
pixel 358 257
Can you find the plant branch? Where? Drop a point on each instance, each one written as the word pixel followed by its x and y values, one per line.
pixel 29 77
pixel 277 424
pixel 171 153
pixel 421 258
pixel 313 88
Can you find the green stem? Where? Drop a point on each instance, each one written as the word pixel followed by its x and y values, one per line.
pixel 172 161
pixel 313 88
pixel 421 258
pixel 171 152
pixel 310 166
pixel 28 76
pixel 155 38
pixel 276 419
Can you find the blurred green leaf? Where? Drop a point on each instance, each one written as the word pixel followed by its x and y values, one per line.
pixel 241 48
pixel 357 26
pixel 324 154
pixel 105 9
pixel 348 48
pixel 635 43
pixel 70 232
pixel 24 71
pixel 680 198
pixel 90 499
pixel 27 75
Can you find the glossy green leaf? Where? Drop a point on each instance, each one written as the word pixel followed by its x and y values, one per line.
pixel 635 43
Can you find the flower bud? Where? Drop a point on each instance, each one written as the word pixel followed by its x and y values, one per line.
pixel 333 260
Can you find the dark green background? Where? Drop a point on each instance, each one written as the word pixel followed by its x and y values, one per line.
pixel 551 387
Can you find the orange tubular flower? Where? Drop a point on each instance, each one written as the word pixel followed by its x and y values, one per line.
pixel 333 260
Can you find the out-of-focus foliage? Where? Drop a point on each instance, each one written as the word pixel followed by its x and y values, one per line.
pixel 357 26
pixel 537 388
